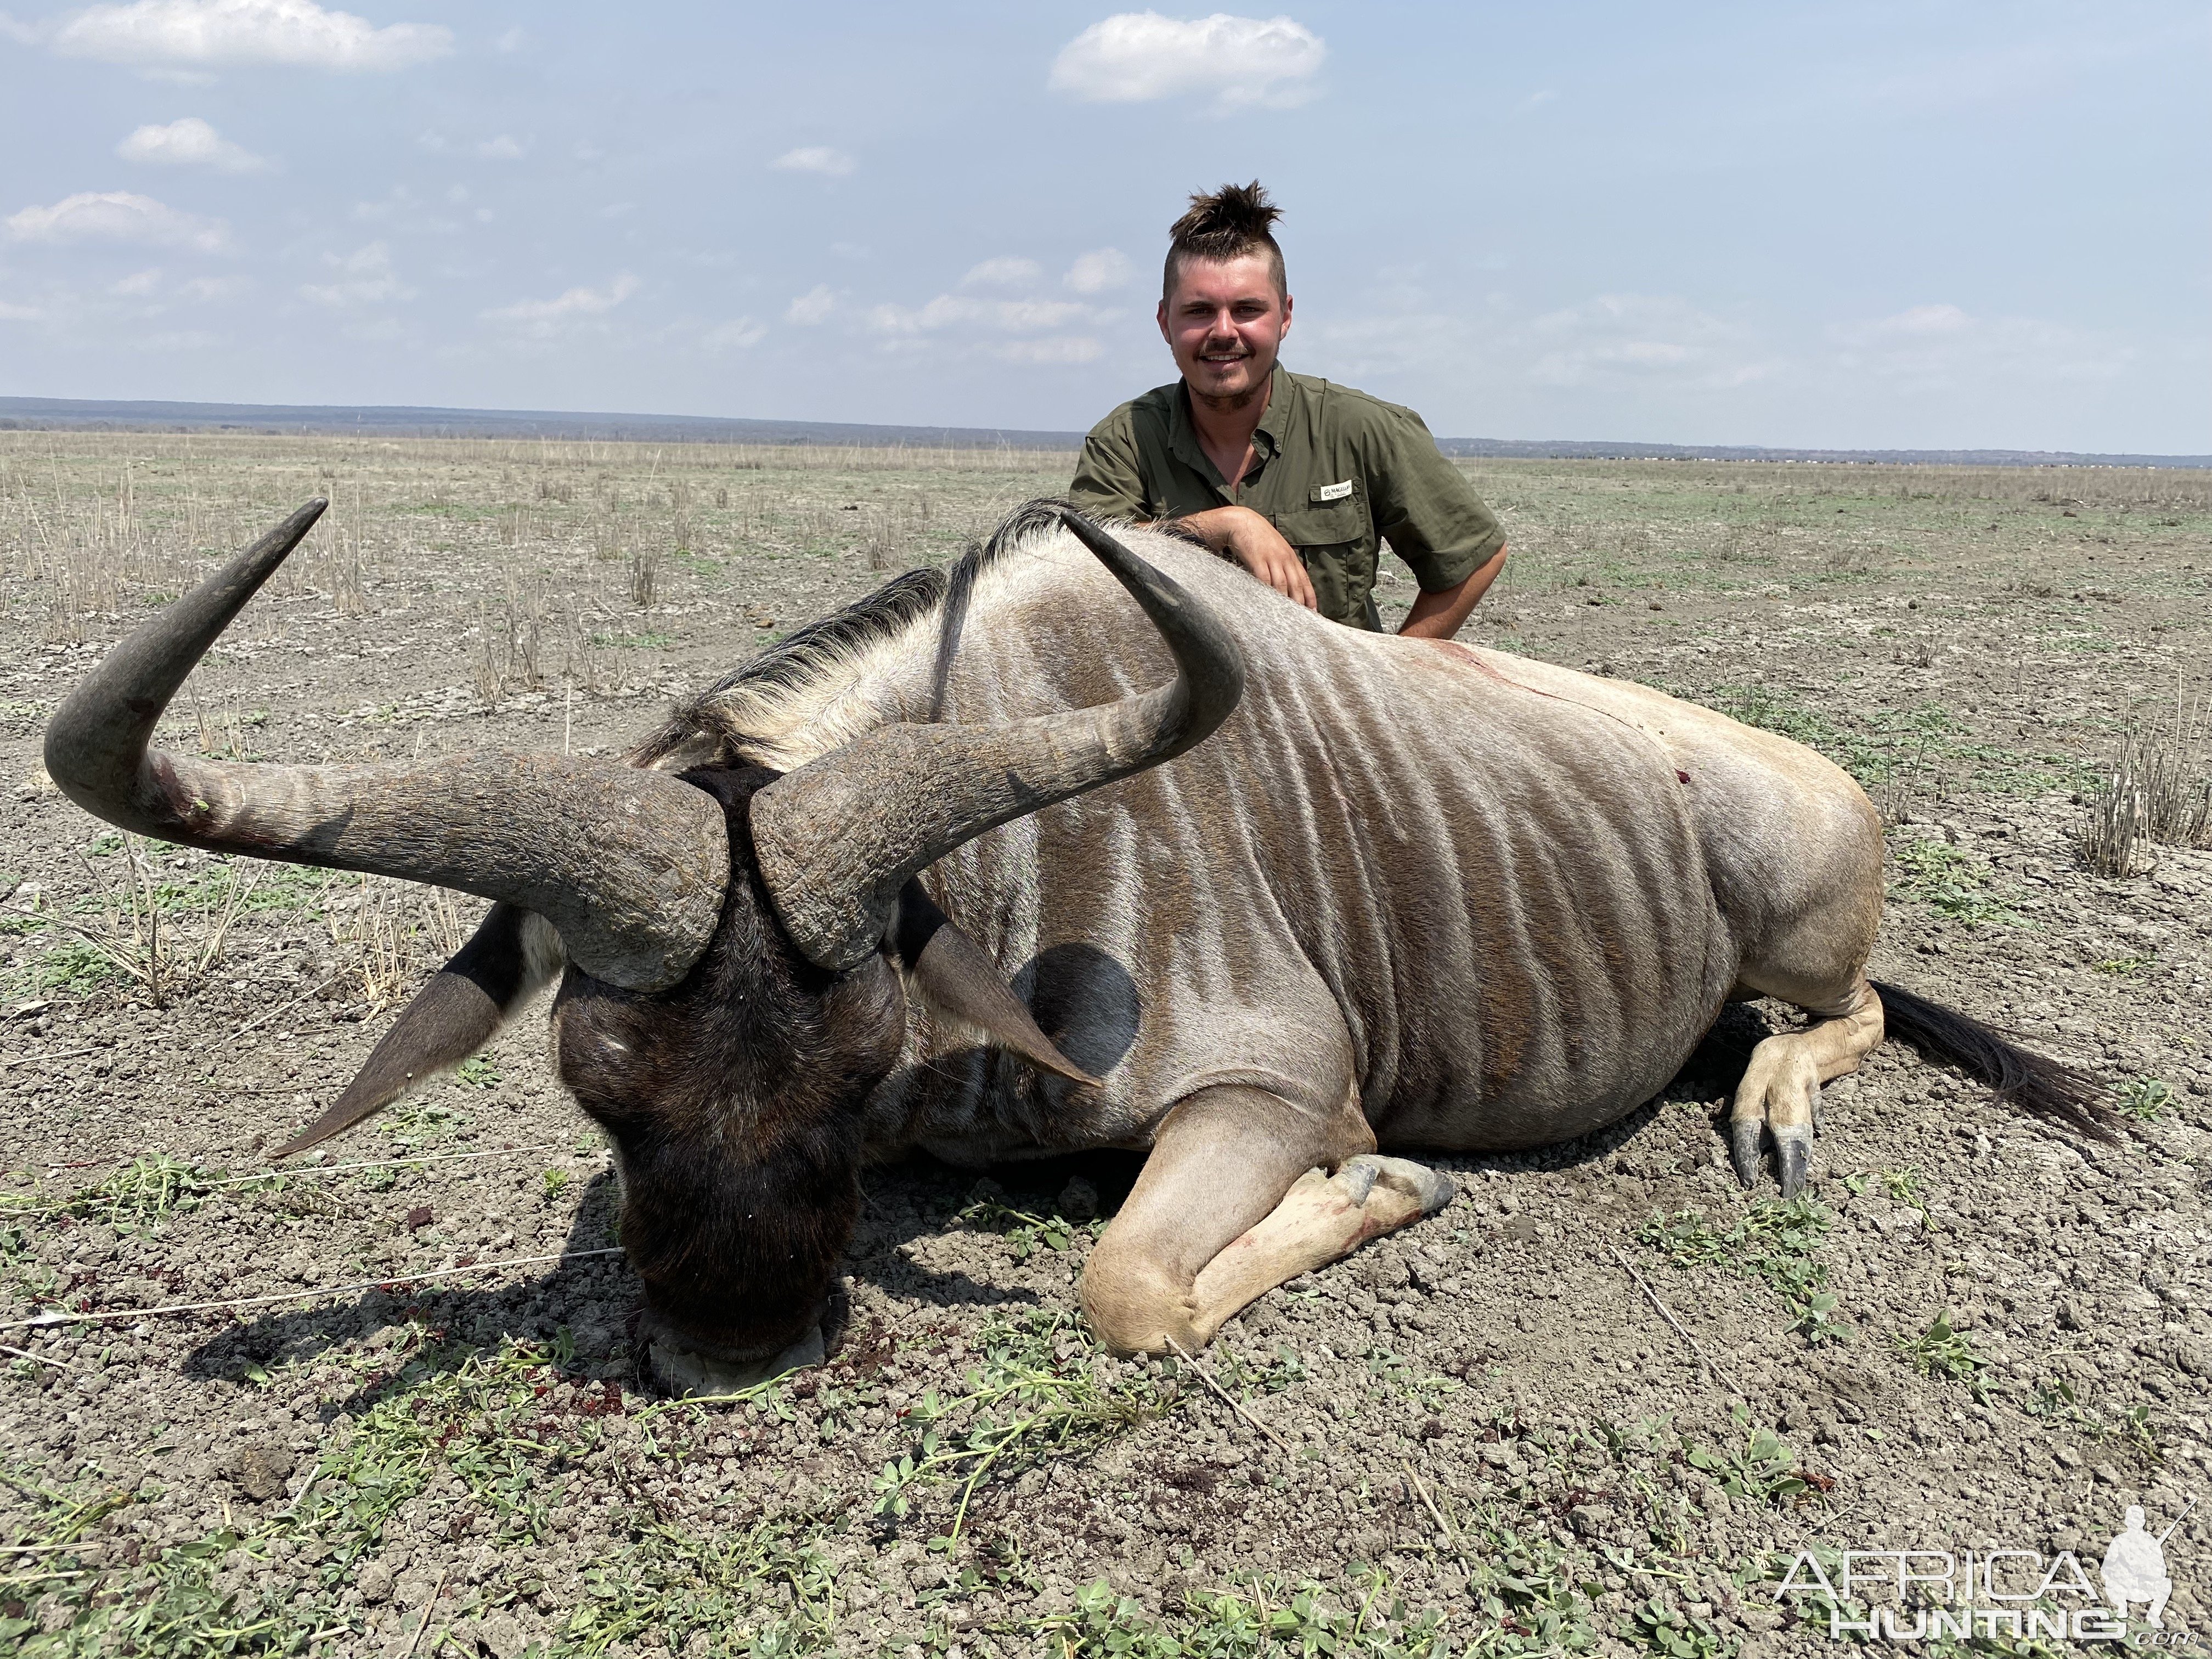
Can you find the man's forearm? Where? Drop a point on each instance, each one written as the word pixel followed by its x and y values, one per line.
pixel 1216 526
pixel 1440 615
pixel 1248 538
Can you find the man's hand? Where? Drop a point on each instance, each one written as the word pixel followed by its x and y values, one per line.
pixel 1257 545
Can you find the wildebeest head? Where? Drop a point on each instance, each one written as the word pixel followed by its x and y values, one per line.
pixel 729 934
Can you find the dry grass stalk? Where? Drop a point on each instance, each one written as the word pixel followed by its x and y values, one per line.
pixel 2159 789
pixel 644 574
pixel 391 933
pixel 166 954
pixel 2108 838
pixel 488 667
pixel 606 537
pixel 583 662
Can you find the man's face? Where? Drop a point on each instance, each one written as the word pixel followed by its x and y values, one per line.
pixel 1225 322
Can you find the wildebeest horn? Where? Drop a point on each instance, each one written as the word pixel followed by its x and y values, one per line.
pixel 629 866
pixel 837 838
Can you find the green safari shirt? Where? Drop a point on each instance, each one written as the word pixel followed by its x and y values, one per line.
pixel 1335 471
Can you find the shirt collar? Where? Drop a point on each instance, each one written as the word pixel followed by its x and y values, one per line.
pixel 1267 437
pixel 1277 418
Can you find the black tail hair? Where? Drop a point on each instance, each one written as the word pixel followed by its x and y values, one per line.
pixel 2035 1083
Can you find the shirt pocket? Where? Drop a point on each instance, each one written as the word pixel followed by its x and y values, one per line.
pixel 1324 524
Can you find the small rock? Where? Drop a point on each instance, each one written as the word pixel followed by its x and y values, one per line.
pixel 374 1583
pixel 261 1468
pixel 418 1216
pixel 1079 1199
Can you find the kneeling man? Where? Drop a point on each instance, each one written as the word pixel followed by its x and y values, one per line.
pixel 1298 480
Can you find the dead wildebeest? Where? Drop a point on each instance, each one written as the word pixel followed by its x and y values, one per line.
pixel 1272 893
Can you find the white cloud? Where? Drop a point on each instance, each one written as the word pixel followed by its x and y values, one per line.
pixel 1637 336
pixel 816 158
pixel 138 283
pixel 117 216
pixel 812 306
pixel 505 147
pixel 15 313
pixel 1096 271
pixel 1233 63
pixel 949 310
pixel 364 277
pixel 1006 271
pixel 209 33
pixel 189 142
pixel 735 335
pixel 1064 348
pixel 1914 322
pixel 541 319
pixel 1940 348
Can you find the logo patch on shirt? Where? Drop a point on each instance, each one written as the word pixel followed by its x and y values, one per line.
pixel 1335 492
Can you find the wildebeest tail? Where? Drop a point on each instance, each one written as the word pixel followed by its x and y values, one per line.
pixel 2035 1083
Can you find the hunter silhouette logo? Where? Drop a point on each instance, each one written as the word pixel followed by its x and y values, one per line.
pixel 2135 1567
pixel 1991 1593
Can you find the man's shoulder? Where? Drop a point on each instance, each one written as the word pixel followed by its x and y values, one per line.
pixel 1349 409
pixel 1154 405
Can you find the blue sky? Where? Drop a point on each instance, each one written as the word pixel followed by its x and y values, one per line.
pixel 1847 225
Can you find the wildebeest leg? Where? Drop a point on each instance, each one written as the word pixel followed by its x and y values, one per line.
pixel 1233 1200
pixel 1321 1217
pixel 1781 1087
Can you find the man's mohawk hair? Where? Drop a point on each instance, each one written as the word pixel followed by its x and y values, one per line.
pixel 1228 223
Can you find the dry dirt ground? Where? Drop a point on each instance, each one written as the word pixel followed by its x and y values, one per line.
pixel 1602 1404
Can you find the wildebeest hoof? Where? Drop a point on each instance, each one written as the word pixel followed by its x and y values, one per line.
pixel 1743 1150
pixel 1793 1151
pixel 1430 1188
pixel 690 1375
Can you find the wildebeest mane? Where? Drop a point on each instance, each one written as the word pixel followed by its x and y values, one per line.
pixel 744 716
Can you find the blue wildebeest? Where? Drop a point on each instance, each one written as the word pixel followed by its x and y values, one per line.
pixel 1098 843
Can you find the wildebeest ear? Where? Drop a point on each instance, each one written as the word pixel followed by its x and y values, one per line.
pixel 507 958
pixel 959 980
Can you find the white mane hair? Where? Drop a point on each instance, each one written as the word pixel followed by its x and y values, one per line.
pixel 882 658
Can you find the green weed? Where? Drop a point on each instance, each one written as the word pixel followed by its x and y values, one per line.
pixel 474 1414
pixel 75 968
pixel 556 1183
pixel 173 1604
pixel 1396 1376
pixel 477 1071
pixel 1940 1351
pixel 1038 1393
pixel 1525 1596
pixel 1772 1241
pixel 2146 1099
pixel 1660 1629
pixel 1763 1469
pixel 1025 1233
pixel 1283 1370
pixel 767 1591
pixel 2055 1401
pixel 413 1124
pixel 1950 881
